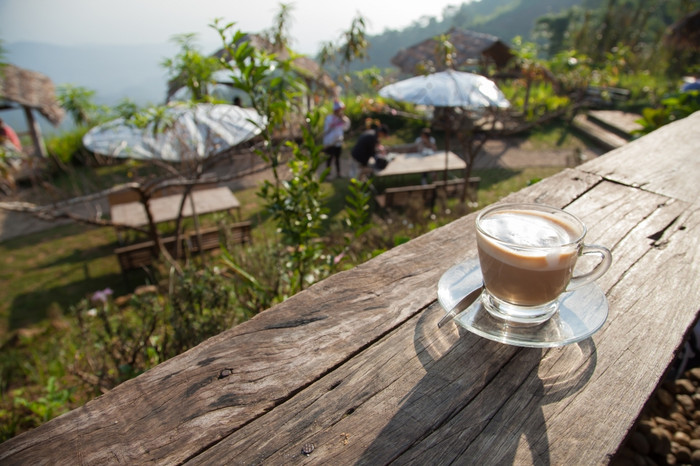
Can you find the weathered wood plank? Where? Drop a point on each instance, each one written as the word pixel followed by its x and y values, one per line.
pixel 632 353
pixel 665 161
pixel 468 398
pixel 357 366
pixel 327 324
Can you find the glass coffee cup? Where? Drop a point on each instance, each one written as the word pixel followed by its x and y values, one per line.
pixel 527 254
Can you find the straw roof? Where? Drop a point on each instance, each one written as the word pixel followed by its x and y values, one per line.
pixel 685 33
pixel 31 90
pixel 470 47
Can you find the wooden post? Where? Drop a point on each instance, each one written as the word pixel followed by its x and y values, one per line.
pixel 35 132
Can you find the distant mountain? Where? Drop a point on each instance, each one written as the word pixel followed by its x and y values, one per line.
pixel 114 72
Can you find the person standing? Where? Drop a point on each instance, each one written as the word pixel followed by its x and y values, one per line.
pixel 334 128
pixel 368 146
pixel 9 135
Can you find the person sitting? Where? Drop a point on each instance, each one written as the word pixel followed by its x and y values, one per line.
pixel 368 146
pixel 425 143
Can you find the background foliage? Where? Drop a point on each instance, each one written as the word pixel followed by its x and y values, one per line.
pixel 87 339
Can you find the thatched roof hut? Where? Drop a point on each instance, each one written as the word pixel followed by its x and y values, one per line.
pixel 471 47
pixel 31 91
pixel 685 33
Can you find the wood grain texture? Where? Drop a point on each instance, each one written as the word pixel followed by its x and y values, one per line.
pixel 665 161
pixel 356 365
pixel 444 399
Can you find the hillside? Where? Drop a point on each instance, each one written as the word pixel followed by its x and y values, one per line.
pixel 505 19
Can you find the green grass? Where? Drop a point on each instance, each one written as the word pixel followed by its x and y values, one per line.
pixel 44 274
pixel 498 183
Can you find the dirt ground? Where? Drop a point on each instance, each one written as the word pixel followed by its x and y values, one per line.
pixel 510 153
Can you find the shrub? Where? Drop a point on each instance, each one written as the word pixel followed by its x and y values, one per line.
pixel 67 148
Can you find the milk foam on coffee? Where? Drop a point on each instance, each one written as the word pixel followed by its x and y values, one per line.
pixel 534 231
pixel 526 256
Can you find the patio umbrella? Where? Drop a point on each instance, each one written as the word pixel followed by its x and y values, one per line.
pixel 449 89
pixel 194 132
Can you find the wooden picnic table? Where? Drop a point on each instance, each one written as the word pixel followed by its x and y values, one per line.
pixel 354 370
pixel 166 208
pixel 416 162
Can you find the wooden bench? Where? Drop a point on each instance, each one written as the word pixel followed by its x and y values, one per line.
pixel 454 187
pixel 140 255
pixel 605 96
pixel 405 196
pixel 124 196
pixel 238 233
pixel 143 254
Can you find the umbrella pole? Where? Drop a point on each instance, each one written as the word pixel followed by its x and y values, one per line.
pixel 447 150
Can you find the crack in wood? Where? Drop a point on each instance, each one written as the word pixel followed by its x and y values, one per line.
pixel 656 238
pixel 226 400
pixel 192 389
pixel 206 362
pixel 334 385
pixel 295 323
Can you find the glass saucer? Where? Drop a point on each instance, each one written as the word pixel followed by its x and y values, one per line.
pixel 581 312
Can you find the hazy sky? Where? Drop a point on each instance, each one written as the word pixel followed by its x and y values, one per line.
pixel 72 22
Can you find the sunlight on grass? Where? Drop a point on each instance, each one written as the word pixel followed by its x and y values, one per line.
pixel 498 183
pixel 47 272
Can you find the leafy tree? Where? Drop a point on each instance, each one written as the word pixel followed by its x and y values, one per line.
pixel 352 46
pixel 674 107
pixel 553 28
pixel 295 202
pixel 192 68
pixel 279 33
pixel 635 28
pixel 79 103
pixel 532 68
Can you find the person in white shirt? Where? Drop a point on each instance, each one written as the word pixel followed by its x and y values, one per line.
pixel 425 142
pixel 334 128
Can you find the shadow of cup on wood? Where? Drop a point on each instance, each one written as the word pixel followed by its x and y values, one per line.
pixel 480 401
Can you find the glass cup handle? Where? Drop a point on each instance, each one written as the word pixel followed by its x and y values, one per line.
pixel 597 272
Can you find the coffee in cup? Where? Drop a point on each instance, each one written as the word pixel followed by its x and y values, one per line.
pixel 527 254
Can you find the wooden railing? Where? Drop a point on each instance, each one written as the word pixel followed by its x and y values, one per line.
pixel 354 370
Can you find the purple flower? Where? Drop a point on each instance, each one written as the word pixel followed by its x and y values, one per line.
pixel 338 258
pixel 102 296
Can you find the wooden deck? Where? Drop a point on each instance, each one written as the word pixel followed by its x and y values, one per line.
pixel 354 370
